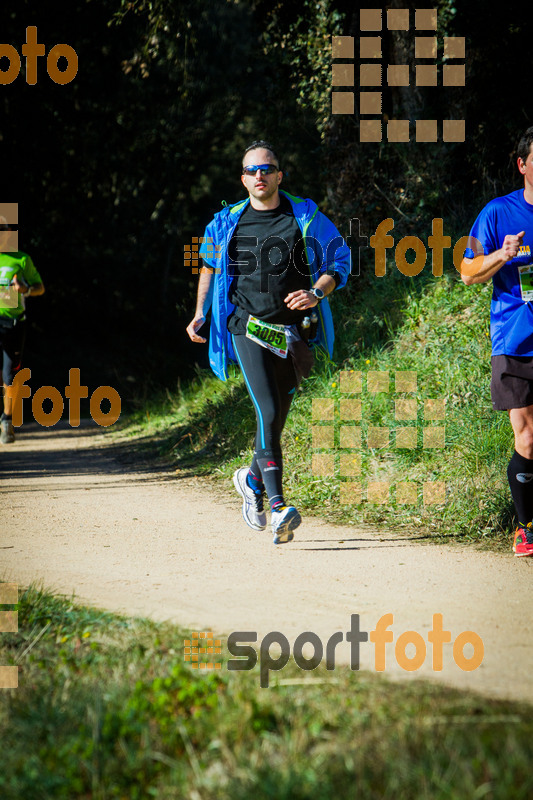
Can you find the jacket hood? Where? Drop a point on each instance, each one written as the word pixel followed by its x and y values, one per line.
pixel 305 208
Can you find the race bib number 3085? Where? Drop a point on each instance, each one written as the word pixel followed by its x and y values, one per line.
pixel 268 335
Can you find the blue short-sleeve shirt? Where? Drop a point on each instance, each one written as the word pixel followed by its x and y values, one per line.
pixel 511 318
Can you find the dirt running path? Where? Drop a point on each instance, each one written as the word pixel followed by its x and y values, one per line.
pixel 150 543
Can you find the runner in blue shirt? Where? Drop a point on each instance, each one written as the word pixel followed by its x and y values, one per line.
pixel 504 234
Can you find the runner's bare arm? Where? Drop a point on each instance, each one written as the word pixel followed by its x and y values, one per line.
pixel 202 305
pixel 482 271
pixel 36 288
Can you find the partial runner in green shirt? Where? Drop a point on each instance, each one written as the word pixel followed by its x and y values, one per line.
pixel 19 279
pixel 17 274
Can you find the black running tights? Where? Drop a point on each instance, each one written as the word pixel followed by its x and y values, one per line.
pixel 271 383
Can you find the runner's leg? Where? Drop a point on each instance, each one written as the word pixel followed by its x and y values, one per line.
pixel 269 383
pixel 520 469
pixel 286 381
pixel 13 345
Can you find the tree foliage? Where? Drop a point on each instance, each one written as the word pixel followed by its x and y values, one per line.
pixel 116 171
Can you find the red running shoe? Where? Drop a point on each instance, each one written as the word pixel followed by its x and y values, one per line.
pixel 523 541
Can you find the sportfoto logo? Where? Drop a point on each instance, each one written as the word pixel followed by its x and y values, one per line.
pixel 381 241
pixel 276 248
pixel 74 392
pixel 272 253
pixel 239 644
pixel 32 50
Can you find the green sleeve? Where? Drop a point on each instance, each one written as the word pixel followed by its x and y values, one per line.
pixel 30 273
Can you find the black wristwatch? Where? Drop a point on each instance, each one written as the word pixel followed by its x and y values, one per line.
pixel 318 293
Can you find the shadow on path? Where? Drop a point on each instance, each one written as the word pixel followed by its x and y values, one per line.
pixel 63 451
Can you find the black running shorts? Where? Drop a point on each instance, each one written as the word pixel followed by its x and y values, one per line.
pixel 512 382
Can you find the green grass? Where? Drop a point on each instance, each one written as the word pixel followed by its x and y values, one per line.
pixel 107 708
pixel 438 328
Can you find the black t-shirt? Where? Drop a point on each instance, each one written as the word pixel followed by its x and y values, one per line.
pixel 268 262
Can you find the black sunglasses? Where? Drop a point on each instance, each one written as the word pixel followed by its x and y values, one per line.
pixel 266 169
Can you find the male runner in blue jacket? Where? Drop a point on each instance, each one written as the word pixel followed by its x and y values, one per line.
pixel 271 260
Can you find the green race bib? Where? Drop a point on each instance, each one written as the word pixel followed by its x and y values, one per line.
pixel 268 335
pixel 526 282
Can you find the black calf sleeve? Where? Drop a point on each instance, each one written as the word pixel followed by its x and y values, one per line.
pixel 520 477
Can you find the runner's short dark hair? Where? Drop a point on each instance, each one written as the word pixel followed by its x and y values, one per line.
pixel 524 145
pixel 260 143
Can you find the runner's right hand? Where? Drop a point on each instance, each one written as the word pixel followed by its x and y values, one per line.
pixel 511 245
pixel 193 327
pixel 19 285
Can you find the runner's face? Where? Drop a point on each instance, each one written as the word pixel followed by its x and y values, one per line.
pixel 526 167
pixel 262 187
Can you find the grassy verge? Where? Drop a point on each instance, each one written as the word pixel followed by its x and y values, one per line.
pixel 107 708
pixel 436 328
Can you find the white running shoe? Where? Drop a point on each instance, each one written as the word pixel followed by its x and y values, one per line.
pixel 284 521
pixel 252 502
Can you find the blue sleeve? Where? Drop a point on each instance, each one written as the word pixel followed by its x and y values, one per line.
pixel 336 256
pixel 484 230
pixel 209 250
